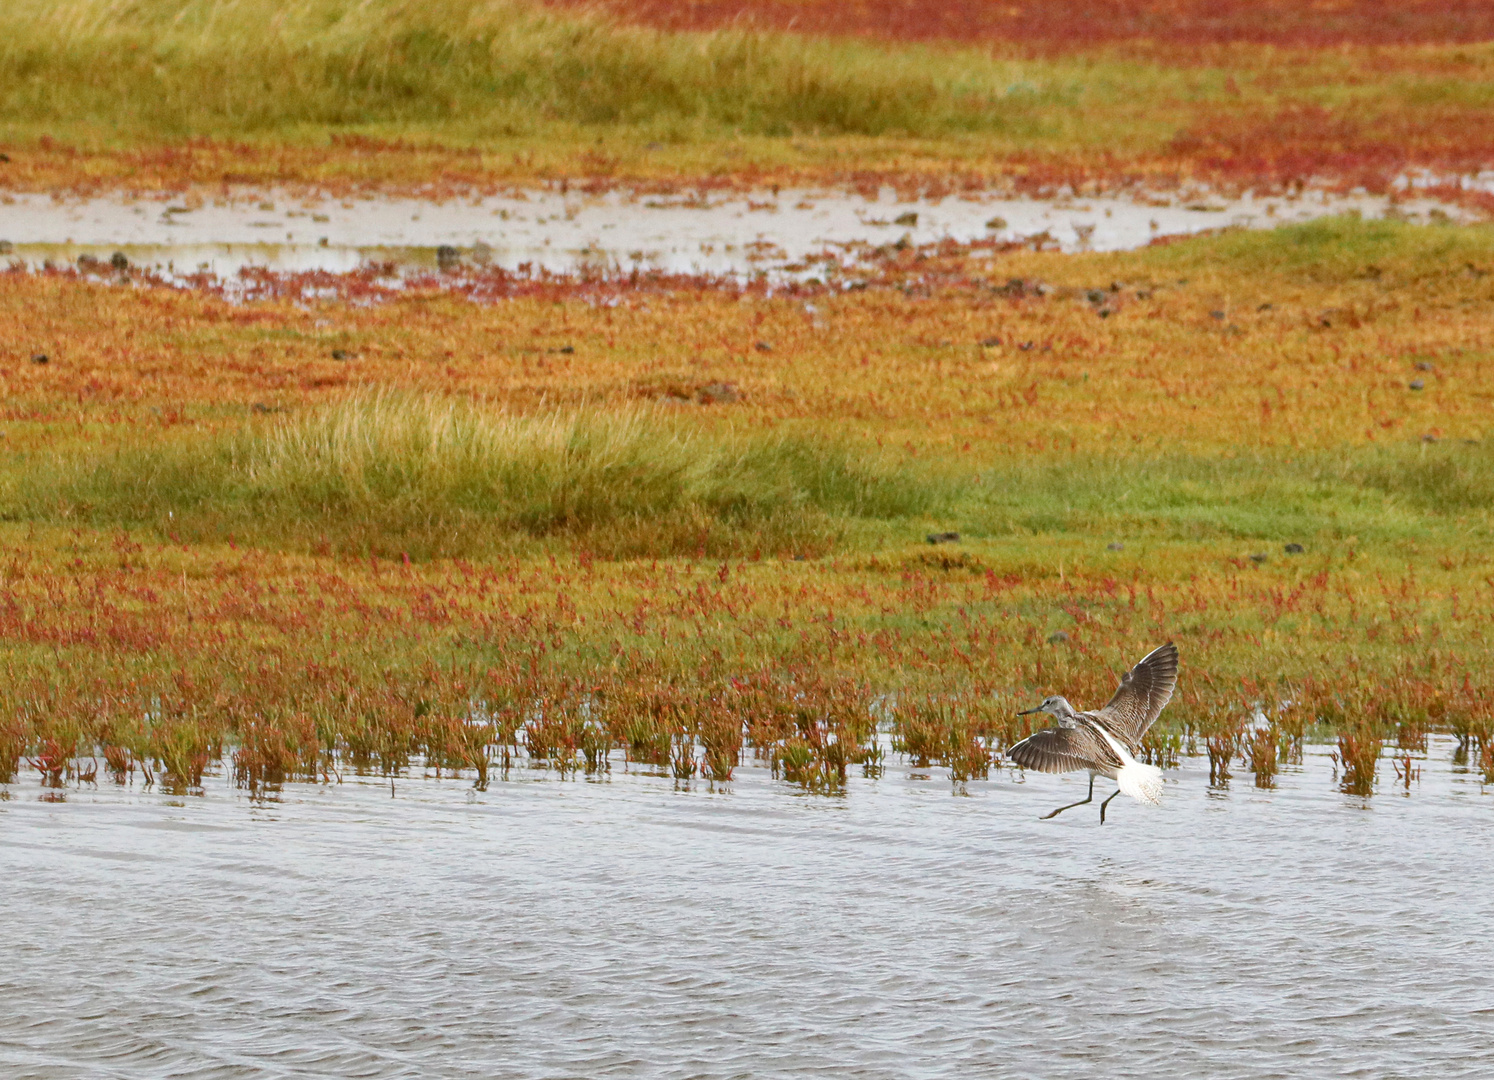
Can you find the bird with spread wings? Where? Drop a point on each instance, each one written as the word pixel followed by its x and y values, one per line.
pixel 1106 740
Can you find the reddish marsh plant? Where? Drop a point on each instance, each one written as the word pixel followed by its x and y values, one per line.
pixel 1262 749
pixel 1357 756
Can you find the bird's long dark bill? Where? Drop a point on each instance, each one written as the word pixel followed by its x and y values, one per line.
pixel 1029 712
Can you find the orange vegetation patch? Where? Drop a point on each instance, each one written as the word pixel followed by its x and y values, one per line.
pixel 1067 25
pixel 978 351
pixel 1229 147
pixel 1367 149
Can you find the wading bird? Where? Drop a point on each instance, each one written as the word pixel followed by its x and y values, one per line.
pixel 1107 740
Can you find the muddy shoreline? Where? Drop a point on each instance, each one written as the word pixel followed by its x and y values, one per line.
pixel 780 235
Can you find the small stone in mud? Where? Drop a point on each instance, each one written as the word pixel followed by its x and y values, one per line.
pixel 1423 365
pixel 1258 558
pixel 996 223
pixel 88 262
pixel 763 346
pixel 119 261
pixel 1217 316
pixel 1294 549
pixel 909 218
pixel 718 393
pixel 1057 638
pixel 39 358
pixel 447 257
pixel 990 342
pixel 1429 437
pixel 1417 384
pixel 341 354
pixel 1115 545
pixel 943 538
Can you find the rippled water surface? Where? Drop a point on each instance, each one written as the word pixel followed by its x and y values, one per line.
pixel 549 928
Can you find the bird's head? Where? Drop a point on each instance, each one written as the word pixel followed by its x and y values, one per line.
pixel 1053 706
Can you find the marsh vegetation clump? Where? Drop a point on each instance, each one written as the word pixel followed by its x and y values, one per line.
pixel 1262 748
pixel 1358 757
pixel 270 728
pixel 400 476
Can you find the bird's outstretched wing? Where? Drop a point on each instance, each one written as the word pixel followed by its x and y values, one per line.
pixel 1062 750
pixel 1144 690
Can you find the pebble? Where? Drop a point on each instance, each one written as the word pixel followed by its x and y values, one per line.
pixel 943 538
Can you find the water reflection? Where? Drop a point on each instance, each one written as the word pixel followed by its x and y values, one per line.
pixel 792 234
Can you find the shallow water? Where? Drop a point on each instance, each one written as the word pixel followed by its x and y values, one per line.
pixel 622 928
pixel 792 234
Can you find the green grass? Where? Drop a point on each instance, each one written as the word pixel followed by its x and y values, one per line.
pixel 393 475
pixel 396 475
pixel 1339 250
pixel 479 70
pixel 1377 495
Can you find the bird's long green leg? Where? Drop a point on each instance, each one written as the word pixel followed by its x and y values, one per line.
pixel 1106 803
pixel 1088 798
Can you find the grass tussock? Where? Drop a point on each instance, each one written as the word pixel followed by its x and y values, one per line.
pixel 424 477
pixel 474 69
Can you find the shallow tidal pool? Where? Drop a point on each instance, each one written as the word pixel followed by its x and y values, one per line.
pixel 625 927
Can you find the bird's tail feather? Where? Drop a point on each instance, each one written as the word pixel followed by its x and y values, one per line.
pixel 1142 782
